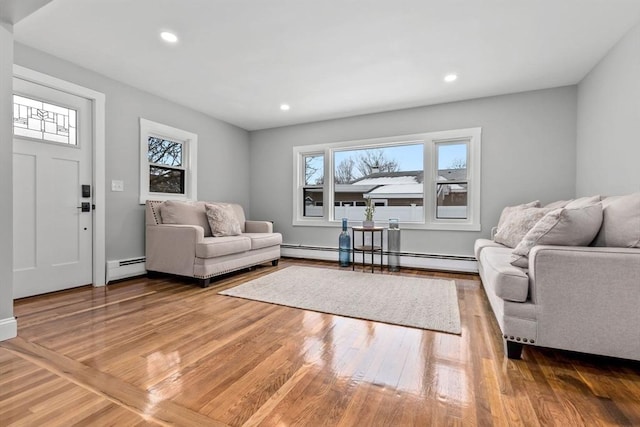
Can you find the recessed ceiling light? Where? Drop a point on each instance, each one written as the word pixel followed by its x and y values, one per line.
pixel 168 37
pixel 450 78
pixel 284 107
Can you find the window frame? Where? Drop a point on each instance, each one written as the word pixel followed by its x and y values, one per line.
pixel 430 140
pixel 189 141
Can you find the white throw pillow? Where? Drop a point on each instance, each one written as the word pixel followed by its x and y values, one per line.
pixel 515 223
pixel 222 219
pixel 565 227
pixel 621 223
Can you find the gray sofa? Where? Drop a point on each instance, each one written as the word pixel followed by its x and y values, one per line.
pixel 179 241
pixel 582 298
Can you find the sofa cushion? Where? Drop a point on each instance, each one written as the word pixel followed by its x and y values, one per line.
pixel 568 227
pixel 509 282
pixel 621 222
pixel 222 219
pixel 516 223
pixel 264 240
pixel 213 247
pixel 185 213
pixel 480 244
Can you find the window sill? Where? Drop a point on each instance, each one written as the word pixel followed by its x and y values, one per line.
pixel 443 226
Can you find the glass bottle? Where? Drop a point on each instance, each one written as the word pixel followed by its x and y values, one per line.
pixel 344 242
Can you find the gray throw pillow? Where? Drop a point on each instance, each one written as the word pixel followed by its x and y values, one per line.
pixel 564 227
pixel 558 204
pixel 222 219
pixel 582 202
pixel 621 222
pixel 516 223
pixel 185 213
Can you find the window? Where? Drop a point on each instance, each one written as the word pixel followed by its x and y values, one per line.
pixel 44 121
pixel 429 180
pixel 167 162
pixel 451 183
pixel 391 176
pixel 313 193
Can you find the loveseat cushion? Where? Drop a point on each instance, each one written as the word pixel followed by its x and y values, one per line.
pixel 264 240
pixel 509 282
pixel 212 247
pixel 621 222
pixel 185 213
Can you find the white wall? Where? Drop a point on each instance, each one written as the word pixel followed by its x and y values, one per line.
pixel 223 149
pixel 608 130
pixel 7 323
pixel 528 152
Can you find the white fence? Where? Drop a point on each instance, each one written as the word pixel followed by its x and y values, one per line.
pixel 384 213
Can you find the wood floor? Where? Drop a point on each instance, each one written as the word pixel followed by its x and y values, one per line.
pixel 165 352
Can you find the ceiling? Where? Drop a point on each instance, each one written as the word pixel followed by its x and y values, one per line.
pixel 238 60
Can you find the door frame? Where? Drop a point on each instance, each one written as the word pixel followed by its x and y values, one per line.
pixel 98 113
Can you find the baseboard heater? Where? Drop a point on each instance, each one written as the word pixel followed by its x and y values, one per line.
pixel 125 268
pixel 457 263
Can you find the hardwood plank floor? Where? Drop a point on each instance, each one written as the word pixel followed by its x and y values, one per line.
pixel 165 352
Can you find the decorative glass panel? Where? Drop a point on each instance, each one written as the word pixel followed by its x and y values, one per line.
pixel 164 152
pixel 41 120
pixel 166 180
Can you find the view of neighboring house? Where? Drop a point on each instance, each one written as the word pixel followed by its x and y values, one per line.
pixel 395 195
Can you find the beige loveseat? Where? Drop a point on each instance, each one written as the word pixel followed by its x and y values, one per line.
pixel 583 298
pixel 179 241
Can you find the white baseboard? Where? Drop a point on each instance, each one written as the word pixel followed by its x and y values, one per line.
pixel 125 268
pixel 8 328
pixel 412 260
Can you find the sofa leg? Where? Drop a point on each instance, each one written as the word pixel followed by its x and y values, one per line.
pixel 153 274
pixel 275 262
pixel 512 349
pixel 204 283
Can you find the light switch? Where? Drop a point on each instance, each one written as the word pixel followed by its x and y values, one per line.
pixel 117 185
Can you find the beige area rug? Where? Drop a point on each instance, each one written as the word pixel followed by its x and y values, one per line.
pixel 408 301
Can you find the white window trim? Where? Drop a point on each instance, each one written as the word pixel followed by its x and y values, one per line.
pixel 430 140
pixel 190 154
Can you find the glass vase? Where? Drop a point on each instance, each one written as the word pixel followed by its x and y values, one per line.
pixel 344 245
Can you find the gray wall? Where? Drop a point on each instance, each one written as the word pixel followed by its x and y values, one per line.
pixel 6 171
pixel 608 130
pixel 223 149
pixel 528 152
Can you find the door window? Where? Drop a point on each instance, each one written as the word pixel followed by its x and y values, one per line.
pixel 44 121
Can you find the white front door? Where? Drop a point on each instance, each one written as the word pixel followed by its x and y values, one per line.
pixel 52 236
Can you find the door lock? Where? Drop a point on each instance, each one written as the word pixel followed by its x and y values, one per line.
pixel 85 207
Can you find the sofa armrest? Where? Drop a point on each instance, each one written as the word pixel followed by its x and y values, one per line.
pixel 587 298
pixel 171 248
pixel 258 227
